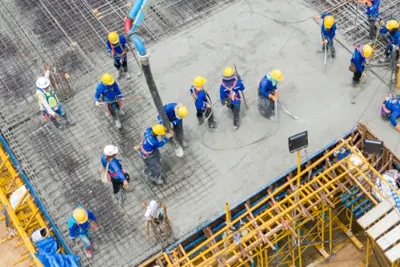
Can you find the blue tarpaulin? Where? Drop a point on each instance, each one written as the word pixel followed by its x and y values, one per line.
pixel 49 257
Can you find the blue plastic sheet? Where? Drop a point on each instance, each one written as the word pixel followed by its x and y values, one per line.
pixel 49 257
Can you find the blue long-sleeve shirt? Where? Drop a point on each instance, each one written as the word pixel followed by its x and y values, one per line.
pixel 393 104
pixel 328 34
pixel 373 10
pixel 229 89
pixel 107 92
pixel 151 142
pixel 118 48
pixel 200 97
pixel 394 36
pixel 358 59
pixel 114 168
pixel 76 229
pixel 266 87
pixel 170 110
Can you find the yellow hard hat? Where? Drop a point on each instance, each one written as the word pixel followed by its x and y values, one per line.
pixel 392 24
pixel 277 75
pixel 367 50
pixel 113 37
pixel 329 21
pixel 199 81
pixel 80 215
pixel 107 79
pixel 158 129
pixel 182 111
pixel 228 71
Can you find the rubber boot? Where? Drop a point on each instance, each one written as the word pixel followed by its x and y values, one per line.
pixel 121 112
pixel 67 120
pixel 127 75
pixel 118 124
pixel 184 143
pixel 201 120
pixel 118 74
pixel 120 198
pixel 212 124
pixel 88 253
pixel 333 52
pixel 57 124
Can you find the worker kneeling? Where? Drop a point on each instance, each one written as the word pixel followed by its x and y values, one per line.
pixel 154 138
pixel 392 30
pixel 391 110
pixel 175 113
pixel 361 52
pixel 268 93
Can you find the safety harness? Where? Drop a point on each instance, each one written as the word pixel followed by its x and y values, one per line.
pixel 115 55
pixel 232 94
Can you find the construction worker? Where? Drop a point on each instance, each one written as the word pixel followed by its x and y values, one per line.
pixel 268 93
pixel 49 104
pixel 116 174
pixel 79 225
pixel 150 153
pixel 328 32
pixel 176 112
pixel 117 48
pixel 373 14
pixel 392 29
pixel 361 52
pixel 202 102
pixel 230 94
pixel 390 110
pixel 109 92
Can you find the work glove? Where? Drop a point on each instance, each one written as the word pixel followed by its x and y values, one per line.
pixel 317 17
pixel 272 97
pixel 110 54
pixel 381 23
pixel 169 135
pixel 97 103
pixel 325 41
pixel 125 185
pixel 398 127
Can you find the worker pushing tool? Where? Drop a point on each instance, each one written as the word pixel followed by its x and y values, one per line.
pixel 268 93
pixel 176 113
pixel 115 173
pixel 109 92
pixel 79 225
pixel 328 32
pixel 390 110
pixel 202 102
pixel 372 14
pixel 358 62
pixel 117 48
pixel 392 30
pixel 48 101
pixel 151 153
pixel 230 94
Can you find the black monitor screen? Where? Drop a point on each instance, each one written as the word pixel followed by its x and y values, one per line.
pixel 298 141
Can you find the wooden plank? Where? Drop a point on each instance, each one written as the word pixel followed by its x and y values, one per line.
pixel 385 224
pixel 394 253
pixel 374 214
pixel 389 239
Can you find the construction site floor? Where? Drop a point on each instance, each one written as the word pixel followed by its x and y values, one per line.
pixel 348 256
pixel 8 253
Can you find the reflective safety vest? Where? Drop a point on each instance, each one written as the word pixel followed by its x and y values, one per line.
pixel 50 96
pixel 232 94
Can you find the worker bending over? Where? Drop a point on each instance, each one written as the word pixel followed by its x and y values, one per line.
pixel 328 32
pixel 116 174
pixel 230 94
pixel 268 93
pixel 79 225
pixel 117 48
pixel 361 52
pixel 108 91
pixel 392 30
pixel 48 101
pixel 391 110
pixel 176 112
pixel 372 14
pixel 202 101
pixel 154 138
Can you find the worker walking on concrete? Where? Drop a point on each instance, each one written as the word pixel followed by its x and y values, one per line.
pixel 390 110
pixel 116 174
pixel 151 153
pixel 268 93
pixel 230 94
pixel 202 102
pixel 373 14
pixel 109 92
pixel 117 48
pixel 48 101
pixel 328 32
pixel 358 61
pixel 79 225
pixel 392 29
pixel 176 112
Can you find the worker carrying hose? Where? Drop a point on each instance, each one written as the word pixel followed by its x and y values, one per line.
pixel 79 225
pixel 358 62
pixel 48 101
pixel 202 101
pixel 372 14
pixel 268 93
pixel 108 91
pixel 328 32
pixel 115 173
pixel 117 48
pixel 230 94
pixel 176 112
pixel 392 30
pixel 154 138
pixel 390 110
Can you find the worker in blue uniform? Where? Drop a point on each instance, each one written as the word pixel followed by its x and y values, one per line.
pixel 268 93
pixel 391 110
pixel 176 112
pixel 108 91
pixel 117 48
pixel 202 102
pixel 115 173
pixel 358 61
pixel 154 138
pixel 392 30
pixel 230 94
pixel 372 14
pixel 328 32
pixel 79 225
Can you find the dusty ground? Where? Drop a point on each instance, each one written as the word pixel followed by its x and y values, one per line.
pixel 9 254
pixel 348 256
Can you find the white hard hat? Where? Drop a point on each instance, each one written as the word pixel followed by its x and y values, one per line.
pixel 42 82
pixel 110 150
